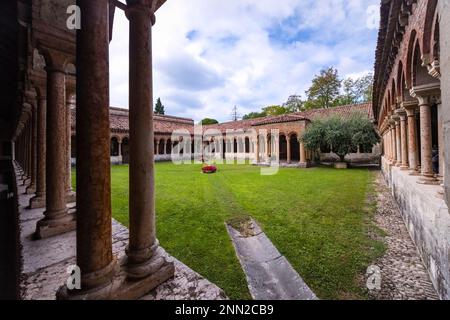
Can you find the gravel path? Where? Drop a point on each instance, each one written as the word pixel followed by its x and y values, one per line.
pixel 403 275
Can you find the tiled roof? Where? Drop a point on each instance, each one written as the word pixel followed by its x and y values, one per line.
pixel 280 119
pixel 162 124
pixel 168 124
pixel 343 111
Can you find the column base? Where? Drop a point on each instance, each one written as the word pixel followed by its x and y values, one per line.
pixel 71 197
pixel 31 189
pixel 37 202
pixel 46 228
pixel 414 173
pixel 404 168
pixel 428 180
pixel 121 287
pixel 303 165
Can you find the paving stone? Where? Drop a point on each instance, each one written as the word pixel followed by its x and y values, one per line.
pixel 404 276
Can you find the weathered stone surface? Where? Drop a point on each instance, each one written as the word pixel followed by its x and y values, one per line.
pixel 270 276
pixel 45 262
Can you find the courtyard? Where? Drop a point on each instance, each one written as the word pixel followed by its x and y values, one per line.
pixel 320 219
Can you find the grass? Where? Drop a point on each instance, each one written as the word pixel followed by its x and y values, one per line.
pixel 318 218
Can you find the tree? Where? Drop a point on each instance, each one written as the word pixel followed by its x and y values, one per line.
pixel 159 107
pixel 342 135
pixel 325 89
pixel 357 91
pixel 254 115
pixel 294 103
pixel 275 110
pixel 208 121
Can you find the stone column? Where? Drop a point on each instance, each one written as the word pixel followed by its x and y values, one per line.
pixel 394 142
pixel 165 146
pixel 412 139
pixel 57 220
pixel 143 256
pixel 441 174
pixel 157 147
pixel 31 97
pixel 403 140
pixel 303 161
pixel 94 231
pixel 398 143
pixel 288 149
pixel 70 196
pixel 257 154
pixel 39 200
pixel 427 175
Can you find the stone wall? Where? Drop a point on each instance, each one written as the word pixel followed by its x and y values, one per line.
pixel 428 221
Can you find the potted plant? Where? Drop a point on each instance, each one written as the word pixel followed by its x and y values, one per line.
pixel 209 168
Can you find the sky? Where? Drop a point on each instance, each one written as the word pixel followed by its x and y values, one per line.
pixel 212 55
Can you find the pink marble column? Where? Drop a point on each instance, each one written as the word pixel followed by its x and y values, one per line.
pixel 57 219
pixel 288 139
pixel 38 201
pixel 398 143
pixel 427 174
pixel 70 195
pixel 403 141
pixel 412 140
pixel 31 98
pixel 394 143
pixel 143 260
pixel 94 230
pixel 303 160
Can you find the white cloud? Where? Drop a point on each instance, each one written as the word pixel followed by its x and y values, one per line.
pixel 210 55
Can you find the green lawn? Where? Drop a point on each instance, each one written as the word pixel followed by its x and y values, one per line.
pixel 318 218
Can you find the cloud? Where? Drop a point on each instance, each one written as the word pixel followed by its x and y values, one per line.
pixel 211 55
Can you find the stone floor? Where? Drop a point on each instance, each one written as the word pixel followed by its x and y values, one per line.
pixel 403 275
pixel 44 263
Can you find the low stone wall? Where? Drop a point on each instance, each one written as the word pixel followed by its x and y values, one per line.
pixel 428 221
pixel 366 158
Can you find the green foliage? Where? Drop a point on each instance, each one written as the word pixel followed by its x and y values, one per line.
pixel 325 88
pixel 208 121
pixel 275 110
pixel 341 134
pixel 159 107
pixel 254 115
pixel 357 91
pixel 294 103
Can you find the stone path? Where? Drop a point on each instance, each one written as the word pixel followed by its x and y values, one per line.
pixel 403 275
pixel 270 276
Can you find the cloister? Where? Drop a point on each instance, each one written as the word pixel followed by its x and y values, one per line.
pixel 260 141
pixel 411 112
pixel 57 115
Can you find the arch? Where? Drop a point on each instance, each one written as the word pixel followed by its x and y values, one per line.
pixel 161 146
pixel 169 146
pixel 114 147
pixel 409 59
pixel 420 75
pixel 435 45
pixel 282 147
pixel 429 24
pixel 295 147
pixel 247 145
pixel 125 150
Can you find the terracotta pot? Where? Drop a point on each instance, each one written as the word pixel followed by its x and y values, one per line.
pixel 341 165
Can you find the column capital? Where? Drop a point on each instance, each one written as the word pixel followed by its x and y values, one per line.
pixel 145 7
pixel 409 105
pixel 401 114
pixel 426 94
pixel 56 61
